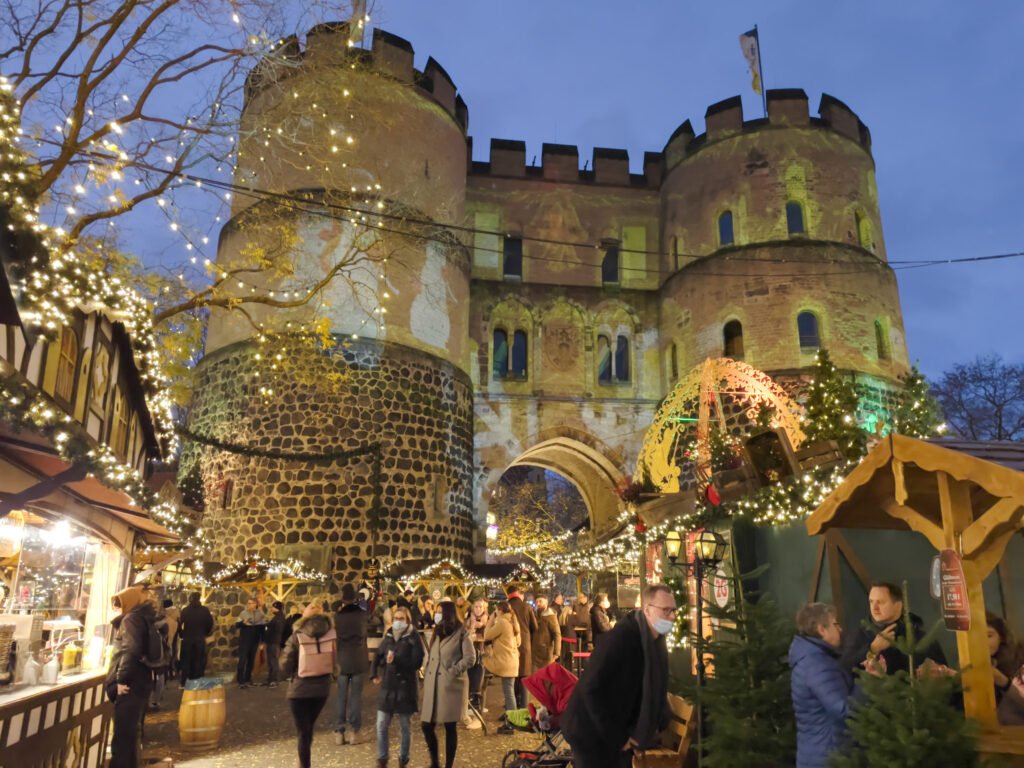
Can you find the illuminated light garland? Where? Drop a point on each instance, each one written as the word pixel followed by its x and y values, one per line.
pixel 290 568
pixel 429 573
pixel 23 407
pixel 532 547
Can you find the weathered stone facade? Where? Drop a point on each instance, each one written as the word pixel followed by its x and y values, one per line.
pixel 554 317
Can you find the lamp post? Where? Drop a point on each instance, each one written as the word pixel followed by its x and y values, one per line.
pixel 708 551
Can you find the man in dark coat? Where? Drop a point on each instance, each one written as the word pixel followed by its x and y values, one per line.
pixel 887 624
pixel 130 677
pixel 547 640
pixel 195 625
pixel 273 638
pixel 600 624
pixel 250 627
pixel 527 627
pixel 578 622
pixel 353 662
pixel 619 707
pixel 820 686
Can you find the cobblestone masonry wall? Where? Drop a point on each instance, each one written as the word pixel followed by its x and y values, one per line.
pixel 418 407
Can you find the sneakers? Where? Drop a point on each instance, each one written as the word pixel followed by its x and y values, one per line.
pixel 339 738
pixel 505 729
pixel 472 723
pixel 351 737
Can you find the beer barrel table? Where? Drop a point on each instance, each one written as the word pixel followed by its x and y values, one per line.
pixel 201 715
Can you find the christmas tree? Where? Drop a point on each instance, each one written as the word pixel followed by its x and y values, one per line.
pixel 831 410
pixel 915 413
pixel 747 703
pixel 910 719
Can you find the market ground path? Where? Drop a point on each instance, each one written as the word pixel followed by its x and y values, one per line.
pixel 259 733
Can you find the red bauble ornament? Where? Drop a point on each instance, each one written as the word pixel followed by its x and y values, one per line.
pixel 712 496
pixel 639 526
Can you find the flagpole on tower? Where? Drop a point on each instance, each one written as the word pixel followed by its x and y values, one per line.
pixel 760 73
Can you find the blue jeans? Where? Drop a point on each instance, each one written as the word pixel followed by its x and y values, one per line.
pixel 350 702
pixel 508 687
pixel 383 726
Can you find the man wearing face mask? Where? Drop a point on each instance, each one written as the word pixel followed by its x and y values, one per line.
pixel 619 706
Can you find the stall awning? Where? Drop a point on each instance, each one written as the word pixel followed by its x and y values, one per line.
pixel 34 458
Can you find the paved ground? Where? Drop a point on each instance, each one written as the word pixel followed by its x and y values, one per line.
pixel 259 733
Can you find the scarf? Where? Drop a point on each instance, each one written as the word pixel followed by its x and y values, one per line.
pixel 654 691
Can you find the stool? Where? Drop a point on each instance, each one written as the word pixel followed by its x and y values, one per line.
pixel 577 661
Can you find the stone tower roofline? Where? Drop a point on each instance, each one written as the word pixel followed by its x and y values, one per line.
pixel 787 108
pixel 390 55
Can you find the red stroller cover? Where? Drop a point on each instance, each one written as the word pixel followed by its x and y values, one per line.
pixel 551 686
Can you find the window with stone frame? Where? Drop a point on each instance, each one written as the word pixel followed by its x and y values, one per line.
pixel 610 265
pixel 520 355
pixel 119 429
pixel 622 359
pixel 795 218
pixel 725 229
pixel 604 359
pixel 512 261
pixel 732 335
pixel 67 362
pixel 864 236
pixel 808 331
pixel 882 340
pixel 499 353
pixel 673 363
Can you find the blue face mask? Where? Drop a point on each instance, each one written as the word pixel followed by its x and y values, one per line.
pixel 663 626
pixel 437 618
pixel 398 627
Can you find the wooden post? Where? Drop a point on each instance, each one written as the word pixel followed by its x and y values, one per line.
pixel 972 646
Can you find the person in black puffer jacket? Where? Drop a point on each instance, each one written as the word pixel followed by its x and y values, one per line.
pixel 394 668
pixel 130 677
pixel 307 695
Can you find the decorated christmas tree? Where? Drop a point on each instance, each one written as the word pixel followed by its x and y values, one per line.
pixel 831 409
pixel 747 702
pixel 915 412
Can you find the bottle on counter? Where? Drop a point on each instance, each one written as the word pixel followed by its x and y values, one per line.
pixel 32 671
pixel 51 671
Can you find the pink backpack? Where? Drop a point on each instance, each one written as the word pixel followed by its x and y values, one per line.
pixel 317 654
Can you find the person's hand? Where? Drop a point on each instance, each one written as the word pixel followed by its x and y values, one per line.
pixel 876 665
pixel 883 639
pixel 376 681
pixel 631 744
pixel 1001 680
pixel 122 690
pixel 391 656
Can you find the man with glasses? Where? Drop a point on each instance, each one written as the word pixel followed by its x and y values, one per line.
pixel 619 706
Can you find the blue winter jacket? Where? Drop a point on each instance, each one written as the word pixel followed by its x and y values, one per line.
pixel 821 698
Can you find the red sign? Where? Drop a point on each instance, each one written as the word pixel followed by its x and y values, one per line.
pixel 956 609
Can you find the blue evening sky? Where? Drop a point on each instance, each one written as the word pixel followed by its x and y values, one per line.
pixel 938 84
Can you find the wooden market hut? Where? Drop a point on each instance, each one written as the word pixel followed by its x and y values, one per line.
pixel 960 495
pixel 452 579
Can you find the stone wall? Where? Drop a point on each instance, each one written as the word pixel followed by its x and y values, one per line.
pixel 419 408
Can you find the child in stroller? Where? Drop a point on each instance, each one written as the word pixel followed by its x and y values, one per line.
pixel 551 686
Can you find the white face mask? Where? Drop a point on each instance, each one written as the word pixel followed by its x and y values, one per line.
pixel 399 626
pixel 437 618
pixel 663 626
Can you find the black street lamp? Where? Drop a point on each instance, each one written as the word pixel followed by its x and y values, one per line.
pixel 708 551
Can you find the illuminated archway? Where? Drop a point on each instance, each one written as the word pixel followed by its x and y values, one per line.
pixel 593 474
pixel 691 403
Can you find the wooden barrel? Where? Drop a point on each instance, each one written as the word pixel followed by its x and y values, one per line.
pixel 201 718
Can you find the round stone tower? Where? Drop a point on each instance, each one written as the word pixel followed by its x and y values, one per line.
pixel 774 232
pixel 364 158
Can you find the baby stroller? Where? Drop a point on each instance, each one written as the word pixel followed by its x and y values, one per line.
pixel 551 686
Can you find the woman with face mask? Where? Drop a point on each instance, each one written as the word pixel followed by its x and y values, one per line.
pixel 445 683
pixel 394 668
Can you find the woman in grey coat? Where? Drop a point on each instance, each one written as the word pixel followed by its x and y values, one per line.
pixel 445 682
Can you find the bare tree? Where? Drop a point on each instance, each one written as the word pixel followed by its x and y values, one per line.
pixel 984 399
pixel 535 518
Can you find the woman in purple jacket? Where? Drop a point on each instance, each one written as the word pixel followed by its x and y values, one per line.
pixel 820 686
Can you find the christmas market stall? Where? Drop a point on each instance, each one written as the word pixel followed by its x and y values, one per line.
pixel 967 500
pixel 446 578
pixel 77 437
pixel 268 580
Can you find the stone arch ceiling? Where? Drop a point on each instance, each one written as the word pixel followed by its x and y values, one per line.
pixel 588 469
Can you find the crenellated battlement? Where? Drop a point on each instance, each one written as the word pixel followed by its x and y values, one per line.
pixel 561 163
pixel 390 55
pixel 787 108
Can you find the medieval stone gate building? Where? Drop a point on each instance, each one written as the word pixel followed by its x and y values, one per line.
pixel 536 313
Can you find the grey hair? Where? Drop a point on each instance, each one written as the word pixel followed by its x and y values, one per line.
pixel 812 616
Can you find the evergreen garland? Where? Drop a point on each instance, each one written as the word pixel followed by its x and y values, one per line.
pixel 831 410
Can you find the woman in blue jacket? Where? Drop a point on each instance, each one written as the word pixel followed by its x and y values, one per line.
pixel 820 686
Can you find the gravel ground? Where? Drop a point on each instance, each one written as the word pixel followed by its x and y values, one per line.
pixel 259 733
